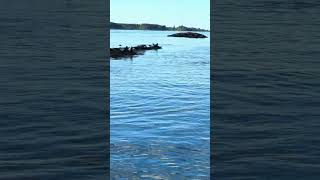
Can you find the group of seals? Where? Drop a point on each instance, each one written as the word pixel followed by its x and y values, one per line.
pixel 132 51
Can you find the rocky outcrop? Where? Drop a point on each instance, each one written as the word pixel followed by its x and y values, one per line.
pixel 188 35
pixel 129 52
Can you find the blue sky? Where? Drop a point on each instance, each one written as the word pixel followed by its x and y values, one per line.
pixel 193 13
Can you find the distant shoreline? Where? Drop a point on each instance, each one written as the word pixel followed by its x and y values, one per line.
pixel 152 27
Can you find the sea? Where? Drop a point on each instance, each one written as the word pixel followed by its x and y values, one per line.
pixel 266 90
pixel 160 108
pixel 53 90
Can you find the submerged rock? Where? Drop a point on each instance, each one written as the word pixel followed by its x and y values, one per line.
pixel 132 51
pixel 188 35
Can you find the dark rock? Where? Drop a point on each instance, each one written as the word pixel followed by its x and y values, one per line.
pixel 188 35
pixel 132 51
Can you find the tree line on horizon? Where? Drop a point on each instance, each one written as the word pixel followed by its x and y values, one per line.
pixel 157 27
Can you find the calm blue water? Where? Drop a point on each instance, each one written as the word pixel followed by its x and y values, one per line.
pixel 266 90
pixel 53 90
pixel 160 108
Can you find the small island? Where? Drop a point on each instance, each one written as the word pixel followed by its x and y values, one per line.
pixel 129 52
pixel 188 35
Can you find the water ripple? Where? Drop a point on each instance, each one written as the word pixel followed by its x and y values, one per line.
pixel 160 110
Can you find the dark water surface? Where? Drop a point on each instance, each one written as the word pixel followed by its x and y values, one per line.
pixel 53 86
pixel 160 125
pixel 266 90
